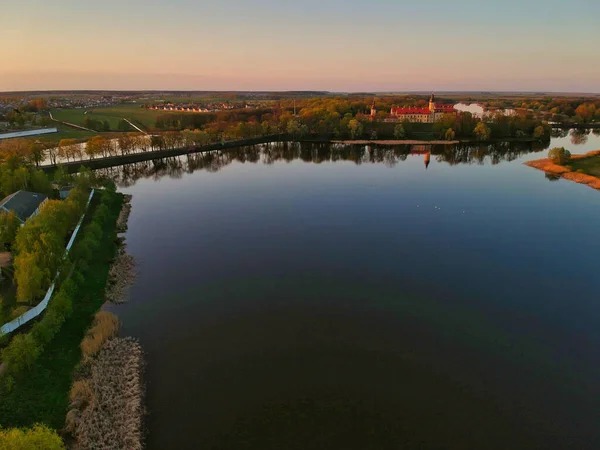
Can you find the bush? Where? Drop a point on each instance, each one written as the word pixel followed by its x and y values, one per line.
pixel 37 437
pixel 45 330
pixel 558 155
pixel 21 353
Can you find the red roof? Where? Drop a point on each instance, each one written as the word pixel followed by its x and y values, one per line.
pixel 444 106
pixel 396 110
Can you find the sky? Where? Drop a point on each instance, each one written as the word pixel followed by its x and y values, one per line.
pixel 332 45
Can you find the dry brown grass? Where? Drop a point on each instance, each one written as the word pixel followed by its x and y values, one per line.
pixel 124 214
pixel 549 167
pixel 120 277
pixel 107 408
pixel 105 327
pixel 81 393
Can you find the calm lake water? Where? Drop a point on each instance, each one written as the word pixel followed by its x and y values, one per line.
pixel 317 297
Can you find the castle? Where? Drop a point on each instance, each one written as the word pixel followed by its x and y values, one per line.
pixel 430 114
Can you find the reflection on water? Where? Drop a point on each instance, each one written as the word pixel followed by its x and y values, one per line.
pixel 352 297
pixel 175 167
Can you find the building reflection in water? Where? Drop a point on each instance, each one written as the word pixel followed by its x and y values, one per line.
pixel 315 153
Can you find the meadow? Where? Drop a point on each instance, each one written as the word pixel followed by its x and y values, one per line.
pixel 142 117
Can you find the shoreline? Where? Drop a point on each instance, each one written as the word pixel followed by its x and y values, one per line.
pixel 546 165
pixel 393 142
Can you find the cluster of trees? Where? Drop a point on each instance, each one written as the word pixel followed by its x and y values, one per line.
pixel 498 125
pixel 16 174
pixel 559 155
pixel 17 119
pixel 564 109
pixel 23 150
pixel 95 124
pixel 25 349
pixel 39 245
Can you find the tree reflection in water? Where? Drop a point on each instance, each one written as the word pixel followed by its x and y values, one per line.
pixel 315 153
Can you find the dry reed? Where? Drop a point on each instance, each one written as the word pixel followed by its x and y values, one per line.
pixel 124 214
pixel 107 408
pixel 120 277
pixel 105 327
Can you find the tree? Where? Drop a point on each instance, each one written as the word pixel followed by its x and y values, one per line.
pixel 559 155
pixel 355 128
pixel 36 152
pixel 37 437
pixel 449 134
pixel 399 132
pixel 9 225
pixel 293 127
pixel 539 132
pixel 66 148
pixel 21 354
pixel 482 131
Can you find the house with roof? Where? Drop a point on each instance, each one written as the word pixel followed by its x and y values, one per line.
pixel 430 114
pixel 23 204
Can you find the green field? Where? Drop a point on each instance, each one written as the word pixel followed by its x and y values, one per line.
pixel 142 117
pixel 590 166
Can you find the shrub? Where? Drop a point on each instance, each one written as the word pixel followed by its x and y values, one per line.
pixel 62 304
pixel 37 437
pixel 21 353
pixel 105 327
pixel 46 329
pixel 559 155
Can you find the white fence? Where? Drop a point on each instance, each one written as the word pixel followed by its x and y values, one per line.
pixel 40 307
pixel 16 134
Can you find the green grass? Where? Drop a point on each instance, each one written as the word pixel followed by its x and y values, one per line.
pixel 142 117
pixel 41 395
pixel 590 166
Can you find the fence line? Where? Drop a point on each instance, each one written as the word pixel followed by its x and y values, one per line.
pixel 41 306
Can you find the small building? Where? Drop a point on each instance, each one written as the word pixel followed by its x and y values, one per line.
pixel 64 192
pixel 23 204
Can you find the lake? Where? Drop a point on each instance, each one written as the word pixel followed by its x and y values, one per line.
pixel 335 297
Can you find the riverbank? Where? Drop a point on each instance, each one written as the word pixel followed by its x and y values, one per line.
pixel 425 142
pixel 106 409
pixel 572 171
pixel 100 163
pixel 41 394
pixel 393 142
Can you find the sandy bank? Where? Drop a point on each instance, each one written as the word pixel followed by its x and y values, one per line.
pixel 548 166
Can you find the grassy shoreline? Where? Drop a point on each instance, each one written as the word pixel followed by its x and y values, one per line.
pixel 576 169
pixel 42 394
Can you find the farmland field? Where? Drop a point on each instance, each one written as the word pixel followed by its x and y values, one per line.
pixel 142 117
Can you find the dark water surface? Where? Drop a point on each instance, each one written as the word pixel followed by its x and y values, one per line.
pixel 319 304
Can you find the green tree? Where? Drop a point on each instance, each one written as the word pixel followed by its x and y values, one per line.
pixel 293 127
pixel 399 132
pixel 105 126
pixel 450 134
pixel 559 155
pixel 35 438
pixel 29 276
pixel 9 225
pixel 21 353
